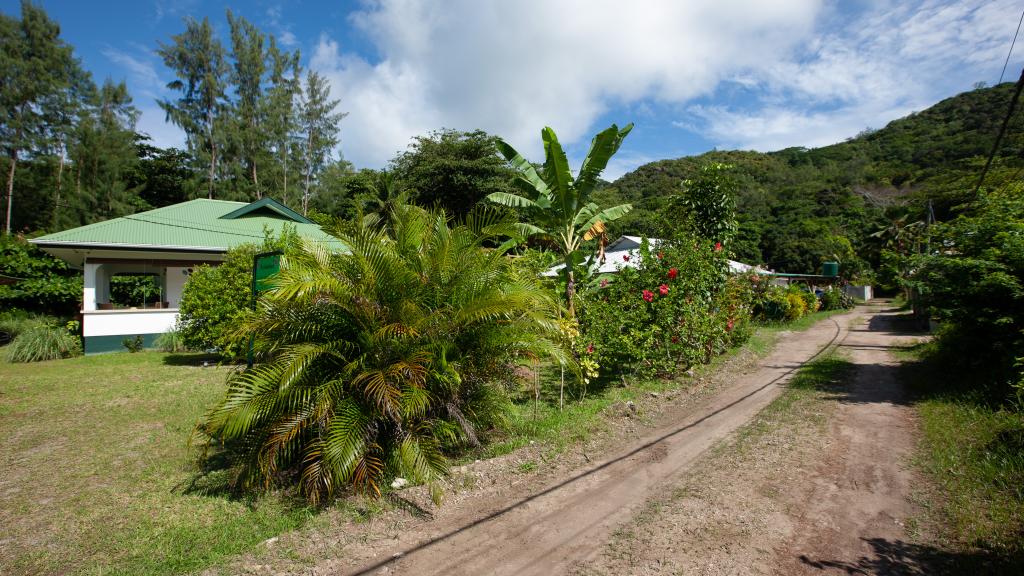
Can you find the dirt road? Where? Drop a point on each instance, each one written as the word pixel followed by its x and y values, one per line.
pixel 565 526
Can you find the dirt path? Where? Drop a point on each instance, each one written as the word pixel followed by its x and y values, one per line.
pixel 859 497
pixel 564 526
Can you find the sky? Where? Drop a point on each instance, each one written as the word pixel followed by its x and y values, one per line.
pixel 691 76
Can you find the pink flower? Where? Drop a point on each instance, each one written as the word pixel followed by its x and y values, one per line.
pixel 718 246
pixel 604 282
pixel 672 273
pixel 663 289
pixel 648 295
pixel 590 349
pixel 625 257
pixel 729 325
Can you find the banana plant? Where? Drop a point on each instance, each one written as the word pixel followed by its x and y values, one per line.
pixel 558 203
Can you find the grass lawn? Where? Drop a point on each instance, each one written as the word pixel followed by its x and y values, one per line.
pixel 98 477
pixel 97 471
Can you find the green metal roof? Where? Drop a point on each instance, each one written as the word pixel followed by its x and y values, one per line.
pixel 199 225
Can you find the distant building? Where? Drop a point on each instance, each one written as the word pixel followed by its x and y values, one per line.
pixel 630 246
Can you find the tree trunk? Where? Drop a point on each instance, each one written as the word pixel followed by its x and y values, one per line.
pixel 13 155
pixel 570 290
pixel 309 170
pixel 60 182
pixel 256 182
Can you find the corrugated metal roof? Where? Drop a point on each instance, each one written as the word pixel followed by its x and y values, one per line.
pixel 615 253
pixel 196 225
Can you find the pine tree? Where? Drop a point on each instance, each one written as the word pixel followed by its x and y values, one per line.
pixel 248 121
pixel 318 125
pixel 198 60
pixel 281 117
pixel 35 65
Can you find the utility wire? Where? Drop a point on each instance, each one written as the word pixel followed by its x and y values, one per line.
pixel 1002 131
pixel 1011 48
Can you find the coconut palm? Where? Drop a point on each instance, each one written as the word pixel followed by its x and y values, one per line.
pixel 374 362
pixel 559 205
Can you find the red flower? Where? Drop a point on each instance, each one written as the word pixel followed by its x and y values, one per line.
pixel 663 289
pixel 648 295
pixel 590 349
pixel 675 339
pixel 625 257
pixel 729 325
pixel 718 246
pixel 604 282
pixel 672 273
pixel 661 255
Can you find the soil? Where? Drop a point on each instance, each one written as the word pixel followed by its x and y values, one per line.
pixel 823 487
pixel 560 524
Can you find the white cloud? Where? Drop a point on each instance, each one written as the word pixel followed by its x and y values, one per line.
pixel 148 86
pixel 141 69
pixel 891 61
pixel 511 68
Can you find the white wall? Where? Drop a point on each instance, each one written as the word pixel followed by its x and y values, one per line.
pixel 126 322
pixel 175 279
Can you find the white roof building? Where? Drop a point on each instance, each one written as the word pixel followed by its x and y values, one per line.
pixel 630 246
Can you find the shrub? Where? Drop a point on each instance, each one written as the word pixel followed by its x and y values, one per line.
pixel 14 322
pixel 833 298
pixel 215 298
pixel 133 343
pixel 795 306
pixel 375 362
pixel 170 342
pixel 677 309
pixel 43 342
pixel 47 284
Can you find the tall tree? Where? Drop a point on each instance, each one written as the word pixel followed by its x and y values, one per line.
pixel 250 64
pixel 281 120
pixel 453 169
pixel 559 205
pixel 198 60
pixel 318 125
pixel 35 64
pixel 105 154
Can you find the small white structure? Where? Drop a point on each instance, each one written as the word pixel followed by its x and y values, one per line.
pixel 165 243
pixel 625 253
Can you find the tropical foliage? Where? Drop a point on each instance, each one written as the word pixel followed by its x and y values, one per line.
pixel 40 282
pixel 374 362
pixel 557 204
pixel 44 341
pixel 972 280
pixel 678 308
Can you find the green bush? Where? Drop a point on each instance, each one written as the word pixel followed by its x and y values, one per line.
pixel 14 322
pixel 376 362
pixel 133 343
pixel 833 298
pixel 43 342
pixel 46 284
pixel 677 309
pixel 215 298
pixel 170 342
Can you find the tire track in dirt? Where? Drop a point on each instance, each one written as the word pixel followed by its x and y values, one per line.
pixel 568 523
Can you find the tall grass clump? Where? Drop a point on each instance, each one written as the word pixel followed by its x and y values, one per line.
pixel 14 322
pixel 383 360
pixel 171 341
pixel 43 342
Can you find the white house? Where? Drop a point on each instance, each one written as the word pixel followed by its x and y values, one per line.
pixel 165 243
pixel 629 246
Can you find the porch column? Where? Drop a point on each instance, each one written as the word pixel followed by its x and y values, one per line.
pixel 92 271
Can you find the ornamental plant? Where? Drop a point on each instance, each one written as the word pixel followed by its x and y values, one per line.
pixel 384 359
pixel 677 309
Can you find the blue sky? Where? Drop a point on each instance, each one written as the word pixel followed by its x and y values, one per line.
pixel 692 76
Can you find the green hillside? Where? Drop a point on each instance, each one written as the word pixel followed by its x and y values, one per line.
pixel 799 207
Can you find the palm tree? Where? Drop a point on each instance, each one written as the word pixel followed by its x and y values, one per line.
pixel 374 362
pixel 559 204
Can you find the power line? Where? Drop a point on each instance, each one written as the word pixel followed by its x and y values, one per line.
pixel 1002 131
pixel 1011 47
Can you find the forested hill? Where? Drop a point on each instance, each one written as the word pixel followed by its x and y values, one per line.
pixel 799 206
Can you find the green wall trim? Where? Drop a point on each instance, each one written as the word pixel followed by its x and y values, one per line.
pixel 102 344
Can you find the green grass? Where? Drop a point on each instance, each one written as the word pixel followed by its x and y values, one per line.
pixel 973 451
pixel 97 472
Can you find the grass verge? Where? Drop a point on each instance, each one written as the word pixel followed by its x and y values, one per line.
pixel 97 476
pixel 973 450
